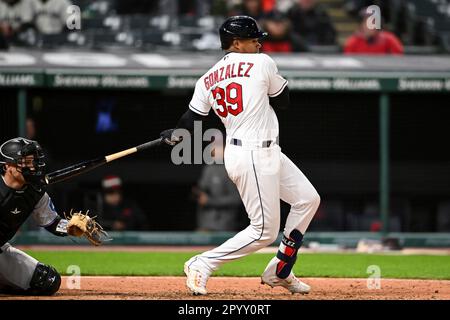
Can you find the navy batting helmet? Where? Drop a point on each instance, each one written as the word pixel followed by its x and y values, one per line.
pixel 14 152
pixel 239 27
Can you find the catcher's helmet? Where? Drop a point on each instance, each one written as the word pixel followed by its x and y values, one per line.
pixel 14 152
pixel 239 27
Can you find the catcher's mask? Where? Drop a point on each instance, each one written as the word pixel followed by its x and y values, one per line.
pixel 27 156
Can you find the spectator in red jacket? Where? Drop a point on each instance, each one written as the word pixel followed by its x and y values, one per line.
pixel 369 40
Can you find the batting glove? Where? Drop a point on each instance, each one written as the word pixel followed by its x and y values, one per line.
pixel 169 138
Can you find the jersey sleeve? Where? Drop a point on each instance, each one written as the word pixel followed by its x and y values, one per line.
pixel 199 102
pixel 276 82
pixel 44 212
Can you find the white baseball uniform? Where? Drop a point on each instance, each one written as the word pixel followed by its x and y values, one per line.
pixel 238 88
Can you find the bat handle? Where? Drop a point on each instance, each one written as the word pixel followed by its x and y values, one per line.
pixel 149 144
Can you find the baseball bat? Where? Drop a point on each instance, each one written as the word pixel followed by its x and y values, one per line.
pixel 85 166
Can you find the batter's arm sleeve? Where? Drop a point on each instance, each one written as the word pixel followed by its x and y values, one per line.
pixel 281 101
pixel 187 120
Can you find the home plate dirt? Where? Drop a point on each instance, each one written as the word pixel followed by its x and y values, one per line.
pixel 236 288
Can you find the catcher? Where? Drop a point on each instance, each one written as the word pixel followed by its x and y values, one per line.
pixel 21 195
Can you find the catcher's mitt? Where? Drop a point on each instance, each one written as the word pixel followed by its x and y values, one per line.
pixel 81 224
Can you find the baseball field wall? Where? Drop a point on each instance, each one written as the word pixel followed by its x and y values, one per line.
pixel 327 241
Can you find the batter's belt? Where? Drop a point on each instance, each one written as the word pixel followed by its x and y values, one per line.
pixel 261 144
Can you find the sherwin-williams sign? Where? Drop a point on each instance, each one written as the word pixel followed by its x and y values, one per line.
pixel 181 71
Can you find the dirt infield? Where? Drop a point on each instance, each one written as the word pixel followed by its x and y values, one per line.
pixel 231 288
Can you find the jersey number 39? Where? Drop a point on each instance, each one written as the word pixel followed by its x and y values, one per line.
pixel 229 100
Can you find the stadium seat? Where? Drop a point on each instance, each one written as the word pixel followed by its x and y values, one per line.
pixel 93 23
pixel 189 39
pixel 77 39
pixel 161 22
pixel 444 41
pixel 150 39
pixel 187 21
pixel 325 49
pixel 428 22
pixel 83 4
pixel 410 17
pixel 421 50
pixel 113 22
pixel 198 24
pixel 72 39
pixel 205 42
pixel 136 21
pixel 103 39
pixel 51 41
pixel 99 8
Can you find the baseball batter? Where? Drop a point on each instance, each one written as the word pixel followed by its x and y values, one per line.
pixel 243 89
pixel 21 195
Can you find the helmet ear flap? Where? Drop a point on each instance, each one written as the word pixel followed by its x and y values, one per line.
pixel 227 42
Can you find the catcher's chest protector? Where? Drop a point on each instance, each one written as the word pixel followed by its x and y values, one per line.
pixel 15 208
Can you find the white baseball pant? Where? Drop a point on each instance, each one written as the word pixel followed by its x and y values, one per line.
pixel 263 176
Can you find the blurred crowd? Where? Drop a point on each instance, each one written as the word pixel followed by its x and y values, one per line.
pixel 293 25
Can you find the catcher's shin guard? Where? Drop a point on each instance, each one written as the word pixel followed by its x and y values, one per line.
pixel 287 253
pixel 45 281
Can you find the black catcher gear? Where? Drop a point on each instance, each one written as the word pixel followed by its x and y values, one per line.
pixel 16 150
pixel 45 281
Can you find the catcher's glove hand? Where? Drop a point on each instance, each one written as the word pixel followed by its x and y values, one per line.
pixel 80 224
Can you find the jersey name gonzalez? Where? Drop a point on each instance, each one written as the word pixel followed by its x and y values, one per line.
pixel 238 88
pixel 233 70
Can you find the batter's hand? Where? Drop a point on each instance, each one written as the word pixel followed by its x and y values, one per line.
pixel 169 138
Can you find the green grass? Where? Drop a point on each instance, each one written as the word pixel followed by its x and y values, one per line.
pixel 308 265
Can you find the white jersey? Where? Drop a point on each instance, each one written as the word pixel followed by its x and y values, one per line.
pixel 238 88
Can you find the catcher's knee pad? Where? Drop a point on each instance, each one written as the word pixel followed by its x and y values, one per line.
pixel 45 281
